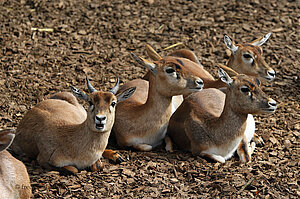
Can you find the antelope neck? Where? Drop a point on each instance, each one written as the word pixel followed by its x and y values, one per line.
pixel 155 100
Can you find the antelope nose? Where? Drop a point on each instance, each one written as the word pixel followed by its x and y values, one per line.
pixel 100 118
pixel 272 103
pixel 271 73
pixel 199 82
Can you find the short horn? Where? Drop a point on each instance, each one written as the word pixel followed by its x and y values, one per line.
pixel 89 85
pixel 115 89
pixel 233 72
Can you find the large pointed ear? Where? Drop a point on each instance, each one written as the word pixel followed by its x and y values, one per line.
pixel 230 45
pixel 79 94
pixel 6 138
pixel 230 71
pixel 225 77
pixel 260 41
pixel 126 94
pixel 152 53
pixel 148 64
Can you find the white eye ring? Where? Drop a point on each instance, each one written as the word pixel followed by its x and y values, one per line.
pixel 170 70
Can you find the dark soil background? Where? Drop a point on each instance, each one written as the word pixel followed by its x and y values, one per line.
pixel 95 37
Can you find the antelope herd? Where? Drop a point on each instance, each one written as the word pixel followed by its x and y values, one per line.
pixel 177 101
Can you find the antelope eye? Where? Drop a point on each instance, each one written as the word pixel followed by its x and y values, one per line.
pixel 245 89
pixel 113 104
pixel 247 56
pixel 170 70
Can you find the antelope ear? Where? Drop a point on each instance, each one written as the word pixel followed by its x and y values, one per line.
pixel 225 77
pixel 6 138
pixel 152 53
pixel 126 94
pixel 79 94
pixel 230 45
pixel 148 64
pixel 260 41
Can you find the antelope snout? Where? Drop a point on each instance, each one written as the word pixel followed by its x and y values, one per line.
pixel 199 83
pixel 100 121
pixel 271 74
pixel 272 103
pixel 272 106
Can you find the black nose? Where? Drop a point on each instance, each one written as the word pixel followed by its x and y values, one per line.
pixel 271 73
pixel 199 82
pixel 272 102
pixel 100 118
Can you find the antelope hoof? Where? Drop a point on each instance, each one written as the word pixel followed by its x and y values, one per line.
pixel 258 140
pixel 97 166
pixel 113 155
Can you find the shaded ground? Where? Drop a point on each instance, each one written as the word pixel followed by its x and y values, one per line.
pixel 96 37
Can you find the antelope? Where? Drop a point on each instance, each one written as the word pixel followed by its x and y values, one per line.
pixel 215 125
pixel 245 58
pixel 142 120
pixel 59 132
pixel 14 179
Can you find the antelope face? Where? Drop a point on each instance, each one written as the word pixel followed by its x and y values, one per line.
pixel 102 111
pixel 247 58
pixel 249 98
pixel 175 79
pixel 252 62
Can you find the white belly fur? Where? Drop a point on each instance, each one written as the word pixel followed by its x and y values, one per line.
pixel 228 152
pixel 176 102
pixel 250 128
pixel 153 140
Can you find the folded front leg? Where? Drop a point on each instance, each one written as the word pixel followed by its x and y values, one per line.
pixel 113 155
pixel 97 166
pixel 243 150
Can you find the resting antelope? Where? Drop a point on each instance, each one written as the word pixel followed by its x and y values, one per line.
pixel 245 59
pixel 58 131
pixel 14 179
pixel 142 120
pixel 215 123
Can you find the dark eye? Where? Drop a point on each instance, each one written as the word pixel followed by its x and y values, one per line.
pixel 247 56
pixel 113 104
pixel 170 70
pixel 245 89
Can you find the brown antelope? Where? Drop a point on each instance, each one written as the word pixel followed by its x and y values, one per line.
pixel 245 59
pixel 14 179
pixel 58 131
pixel 215 125
pixel 142 120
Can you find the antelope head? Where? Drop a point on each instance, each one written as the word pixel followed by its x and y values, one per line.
pixel 172 76
pixel 248 58
pixel 246 95
pixel 101 112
